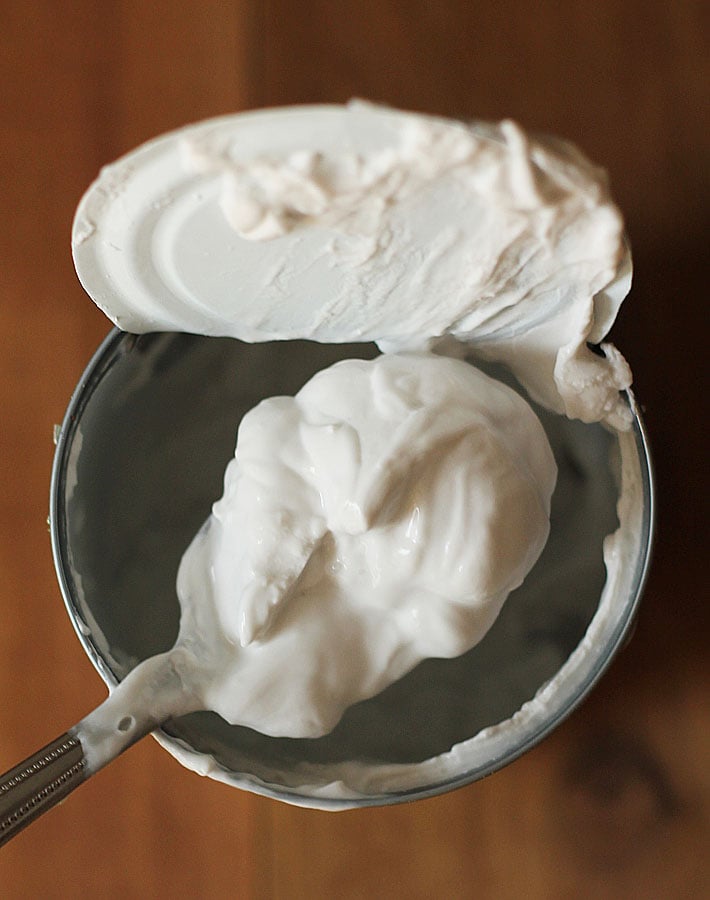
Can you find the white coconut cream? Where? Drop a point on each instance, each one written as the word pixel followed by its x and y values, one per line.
pixel 383 514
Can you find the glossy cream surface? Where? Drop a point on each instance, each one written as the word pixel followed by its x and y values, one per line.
pixel 379 517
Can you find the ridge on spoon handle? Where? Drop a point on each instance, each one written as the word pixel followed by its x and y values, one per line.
pixel 39 783
pixel 152 692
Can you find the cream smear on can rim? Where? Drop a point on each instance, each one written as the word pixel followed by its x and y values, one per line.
pixel 384 514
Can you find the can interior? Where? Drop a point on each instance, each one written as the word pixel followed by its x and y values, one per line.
pixel 140 461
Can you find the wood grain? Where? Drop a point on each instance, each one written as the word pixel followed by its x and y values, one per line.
pixel 617 802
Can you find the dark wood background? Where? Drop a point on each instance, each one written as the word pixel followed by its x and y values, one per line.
pixel 617 802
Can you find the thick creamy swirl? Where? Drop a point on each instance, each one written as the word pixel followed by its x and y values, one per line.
pixel 379 517
pixel 364 223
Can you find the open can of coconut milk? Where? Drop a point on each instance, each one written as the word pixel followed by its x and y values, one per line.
pixel 140 459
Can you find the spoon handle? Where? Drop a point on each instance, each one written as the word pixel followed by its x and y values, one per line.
pixel 39 783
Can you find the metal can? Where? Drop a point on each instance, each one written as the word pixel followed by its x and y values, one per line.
pixel 139 461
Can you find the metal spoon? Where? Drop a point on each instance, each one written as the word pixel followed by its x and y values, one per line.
pixel 149 695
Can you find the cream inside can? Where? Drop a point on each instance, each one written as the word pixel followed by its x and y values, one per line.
pixel 147 436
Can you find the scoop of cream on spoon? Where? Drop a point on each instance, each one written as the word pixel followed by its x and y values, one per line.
pixel 379 517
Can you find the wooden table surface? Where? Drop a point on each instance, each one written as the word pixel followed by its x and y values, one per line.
pixel 617 802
